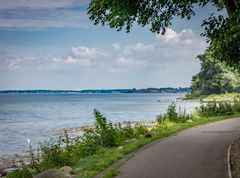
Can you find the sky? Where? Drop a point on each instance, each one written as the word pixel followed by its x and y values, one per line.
pixel 52 44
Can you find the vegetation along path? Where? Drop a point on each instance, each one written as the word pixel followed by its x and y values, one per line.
pixel 198 152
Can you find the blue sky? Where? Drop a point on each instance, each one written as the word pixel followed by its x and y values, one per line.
pixel 51 44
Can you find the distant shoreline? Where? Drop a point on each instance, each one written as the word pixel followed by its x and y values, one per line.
pixel 101 91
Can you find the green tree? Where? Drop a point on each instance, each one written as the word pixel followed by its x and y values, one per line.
pixel 222 32
pixel 214 78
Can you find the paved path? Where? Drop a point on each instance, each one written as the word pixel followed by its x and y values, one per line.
pixel 199 152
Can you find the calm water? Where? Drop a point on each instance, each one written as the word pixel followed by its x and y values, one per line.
pixel 31 116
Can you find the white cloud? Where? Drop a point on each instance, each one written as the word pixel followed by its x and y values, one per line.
pixel 85 52
pixel 125 61
pixel 56 59
pixel 70 60
pixel 116 46
pixel 143 47
pixel 188 37
pixel 78 62
pixel 172 48
pixel 185 38
pixel 167 60
pixel 79 57
pixel 130 61
pixel 126 65
pixel 169 36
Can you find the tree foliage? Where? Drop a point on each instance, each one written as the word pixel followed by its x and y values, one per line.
pixel 214 78
pixel 224 37
pixel 222 32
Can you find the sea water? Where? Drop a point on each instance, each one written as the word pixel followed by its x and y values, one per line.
pixel 36 116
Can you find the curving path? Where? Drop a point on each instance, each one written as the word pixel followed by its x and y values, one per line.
pixel 199 152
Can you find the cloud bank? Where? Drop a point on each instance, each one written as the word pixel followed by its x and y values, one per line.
pixel 34 14
pixel 167 61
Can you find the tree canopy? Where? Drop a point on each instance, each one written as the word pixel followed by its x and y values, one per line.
pixel 214 78
pixel 222 33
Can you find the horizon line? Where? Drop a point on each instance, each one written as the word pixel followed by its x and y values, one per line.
pixel 92 89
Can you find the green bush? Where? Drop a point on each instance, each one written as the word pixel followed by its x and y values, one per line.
pixel 215 109
pixel 63 151
pixel 106 133
pixel 236 106
pixel 140 130
pixel 225 109
pixel 124 132
pixel 89 144
pixel 172 115
pixel 67 151
pixel 184 117
pixel 162 119
pixel 171 112
pixel 20 173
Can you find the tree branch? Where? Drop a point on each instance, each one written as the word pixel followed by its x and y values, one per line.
pixel 230 6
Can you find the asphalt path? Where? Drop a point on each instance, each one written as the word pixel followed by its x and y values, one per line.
pixel 199 152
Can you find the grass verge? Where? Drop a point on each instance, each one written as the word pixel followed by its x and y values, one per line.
pixel 225 97
pixel 92 165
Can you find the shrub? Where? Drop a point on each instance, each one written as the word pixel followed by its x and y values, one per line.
pixel 171 112
pixel 162 118
pixel 140 130
pixel 52 154
pixel 215 109
pixel 89 145
pixel 128 131
pixel 236 106
pixel 225 109
pixel 163 121
pixel 63 151
pixel 20 173
pixel 170 115
pixel 123 132
pixel 106 133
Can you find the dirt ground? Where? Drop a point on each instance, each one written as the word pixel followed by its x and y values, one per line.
pixel 235 158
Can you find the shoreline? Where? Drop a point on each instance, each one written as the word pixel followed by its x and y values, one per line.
pixel 172 129
pixel 79 129
pixel 11 162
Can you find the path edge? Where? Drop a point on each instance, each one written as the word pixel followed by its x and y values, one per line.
pixel 228 161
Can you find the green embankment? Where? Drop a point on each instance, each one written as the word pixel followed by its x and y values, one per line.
pixel 91 166
pixel 225 97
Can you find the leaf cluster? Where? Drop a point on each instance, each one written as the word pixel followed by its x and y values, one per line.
pixel 223 34
pixel 159 14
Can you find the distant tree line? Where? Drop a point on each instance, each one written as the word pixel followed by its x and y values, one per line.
pixel 161 90
pixel 134 90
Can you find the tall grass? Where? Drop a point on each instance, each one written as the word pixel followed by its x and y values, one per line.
pixel 218 109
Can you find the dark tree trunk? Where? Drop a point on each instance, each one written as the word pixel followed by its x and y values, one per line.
pixel 230 6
